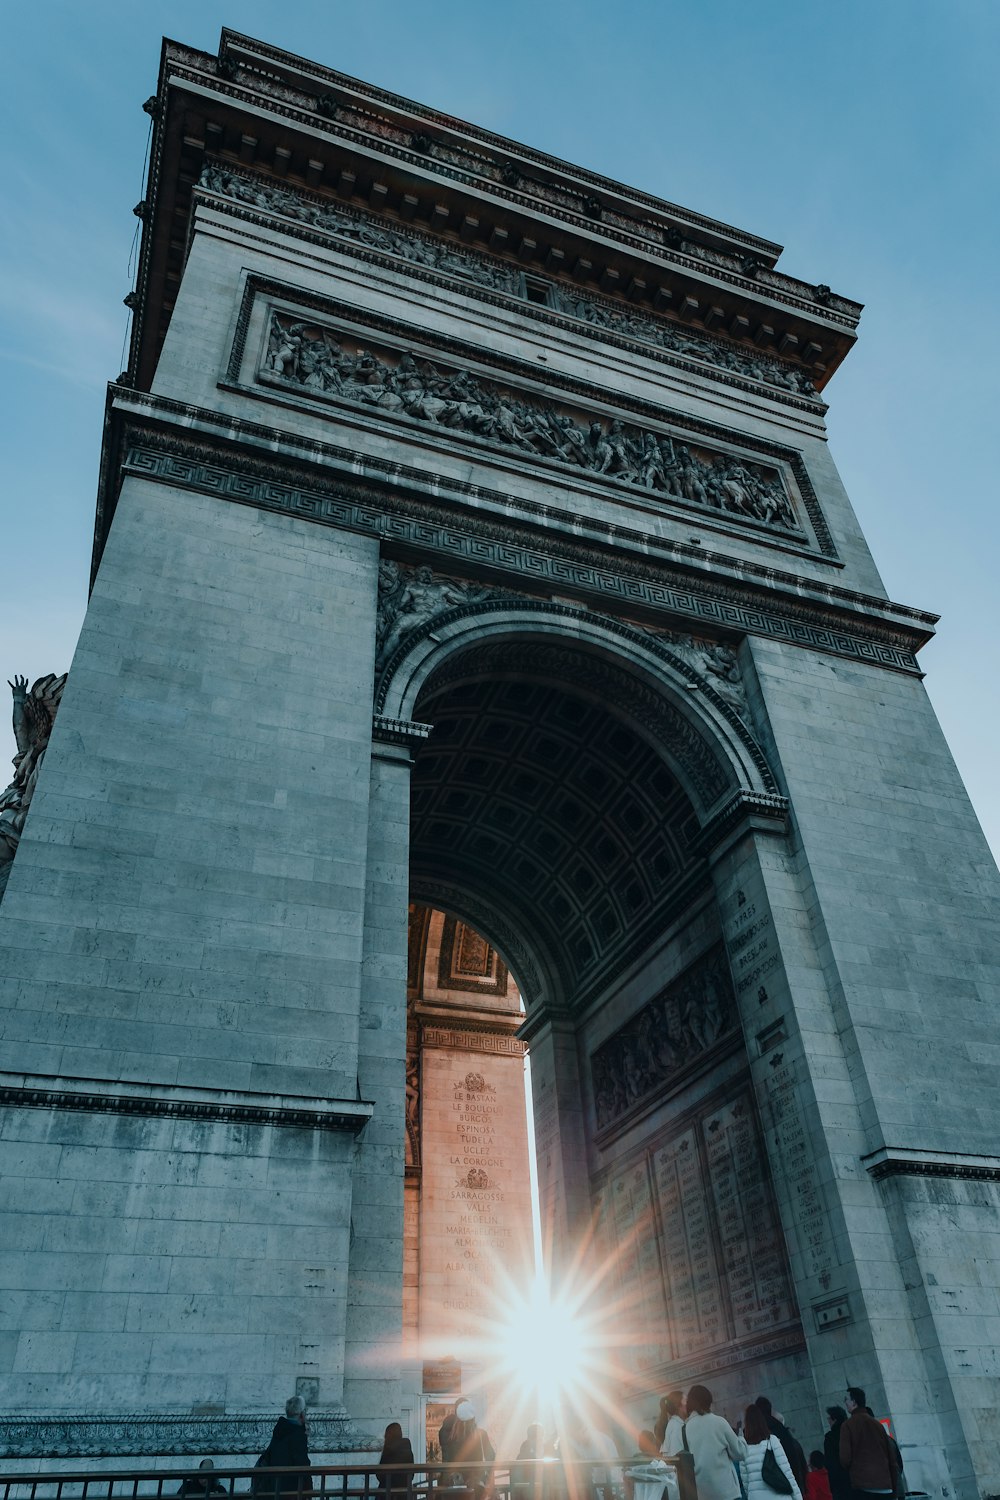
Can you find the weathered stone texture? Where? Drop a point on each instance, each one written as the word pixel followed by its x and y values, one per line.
pixel 189 904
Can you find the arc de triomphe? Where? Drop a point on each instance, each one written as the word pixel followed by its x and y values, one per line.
pixel 467 534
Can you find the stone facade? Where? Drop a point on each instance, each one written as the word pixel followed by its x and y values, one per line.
pixel 468 535
pixel 468 1219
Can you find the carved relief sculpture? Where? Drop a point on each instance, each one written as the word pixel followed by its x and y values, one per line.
pixel 318 359
pixel 418 249
pixel 409 596
pixel 33 715
pixel 667 1035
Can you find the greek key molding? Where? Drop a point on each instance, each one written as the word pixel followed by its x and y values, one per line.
pixel 208 435
pixel 154 1434
pixel 615 579
pixel 339 1115
pixel 457 1039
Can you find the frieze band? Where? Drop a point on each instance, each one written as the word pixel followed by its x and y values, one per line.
pixel 632 583
pixel 325 363
pixel 662 1041
pixel 350 1117
pixel 684 427
pixel 362 232
pixel 454 1040
pixel 145 1435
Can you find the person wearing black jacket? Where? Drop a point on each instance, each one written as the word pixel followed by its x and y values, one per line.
pixel 396 1449
pixel 288 1449
pixel 794 1451
pixel 840 1484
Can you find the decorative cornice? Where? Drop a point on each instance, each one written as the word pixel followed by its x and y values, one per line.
pixel 614 573
pixel 893 1161
pixel 371 94
pixel 155 1434
pixel 22 1091
pixel 567 199
pixel 398 731
pixel 471 1039
pixel 581 311
pixel 745 809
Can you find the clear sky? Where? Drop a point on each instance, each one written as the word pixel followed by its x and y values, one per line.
pixel 862 135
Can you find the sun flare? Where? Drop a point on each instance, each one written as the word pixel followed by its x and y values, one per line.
pixel 546 1349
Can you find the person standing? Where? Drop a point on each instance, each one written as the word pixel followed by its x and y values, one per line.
pixel 793 1449
pixel 448 1437
pixel 760 1441
pixel 715 1448
pixel 840 1485
pixel 288 1449
pixel 471 1448
pixel 670 1422
pixel 866 1451
pixel 818 1481
pixel 396 1449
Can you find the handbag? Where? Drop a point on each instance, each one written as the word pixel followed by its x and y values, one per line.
pixel 773 1474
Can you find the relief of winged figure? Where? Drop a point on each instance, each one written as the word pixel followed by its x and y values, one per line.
pixel 34 712
pixel 407 597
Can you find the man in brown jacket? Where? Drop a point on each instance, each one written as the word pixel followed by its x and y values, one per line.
pixel 866 1451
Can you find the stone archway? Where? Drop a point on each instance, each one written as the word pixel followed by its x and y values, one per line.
pixel 576 780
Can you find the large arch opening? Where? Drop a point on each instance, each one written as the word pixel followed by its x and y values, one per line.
pixel 559 806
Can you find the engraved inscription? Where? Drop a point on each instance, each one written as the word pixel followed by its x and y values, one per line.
pixel 799 1171
pixel 711 1223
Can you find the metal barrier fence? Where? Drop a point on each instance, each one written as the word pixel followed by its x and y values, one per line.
pixel 529 1479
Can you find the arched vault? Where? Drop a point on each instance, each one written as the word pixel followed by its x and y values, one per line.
pixel 562 799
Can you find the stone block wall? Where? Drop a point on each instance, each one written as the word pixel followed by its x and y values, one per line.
pixel 182 931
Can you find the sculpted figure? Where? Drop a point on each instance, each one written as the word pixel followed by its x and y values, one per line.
pixel 735 487
pixel 34 713
pixel 412 1110
pixel 283 349
pixel 458 400
pixel 419 596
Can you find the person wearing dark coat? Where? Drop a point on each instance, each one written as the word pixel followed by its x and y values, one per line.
pixel 794 1451
pixel 396 1449
pixel 866 1450
pixel 840 1484
pixel 288 1449
pixel 471 1447
pixel 199 1486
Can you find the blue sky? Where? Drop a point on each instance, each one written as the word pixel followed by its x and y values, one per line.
pixel 863 135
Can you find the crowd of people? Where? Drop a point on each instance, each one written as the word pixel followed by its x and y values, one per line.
pixel 760 1457
pixel 755 1459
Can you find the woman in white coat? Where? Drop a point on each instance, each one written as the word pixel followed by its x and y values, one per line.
pixel 759 1439
pixel 714 1446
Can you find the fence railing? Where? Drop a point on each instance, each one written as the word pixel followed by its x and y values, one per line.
pixel 528 1479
